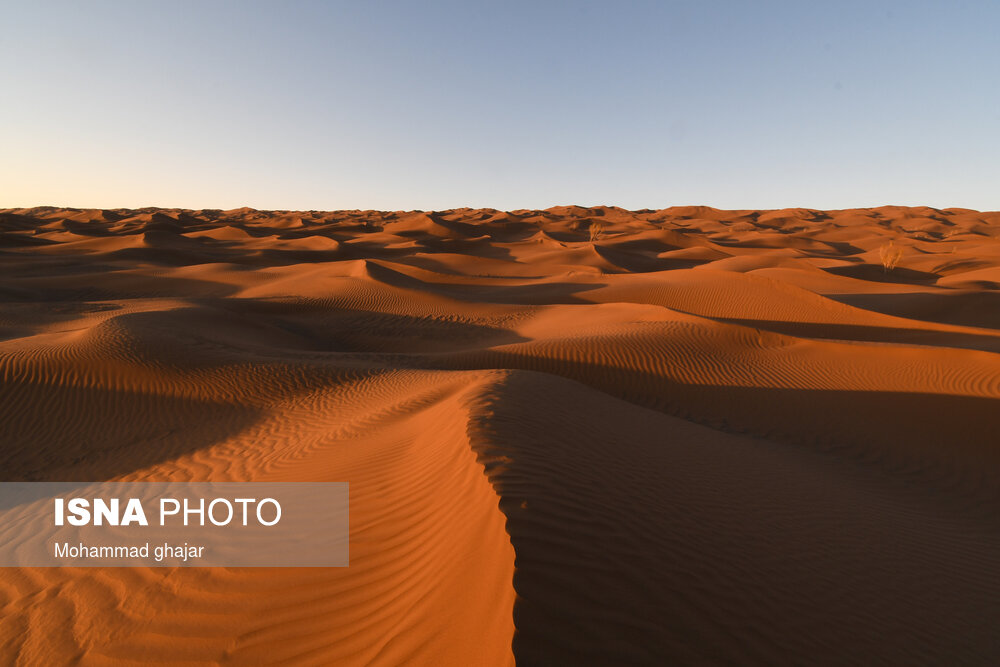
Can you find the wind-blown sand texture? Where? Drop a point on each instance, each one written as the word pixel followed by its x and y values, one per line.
pixel 573 436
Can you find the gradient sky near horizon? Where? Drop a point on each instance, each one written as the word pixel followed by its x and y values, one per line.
pixel 434 105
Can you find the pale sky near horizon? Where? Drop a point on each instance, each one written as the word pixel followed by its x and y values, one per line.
pixel 434 105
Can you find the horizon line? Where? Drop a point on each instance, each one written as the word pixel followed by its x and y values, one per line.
pixel 491 208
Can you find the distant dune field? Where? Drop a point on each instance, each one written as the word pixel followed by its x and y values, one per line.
pixel 572 436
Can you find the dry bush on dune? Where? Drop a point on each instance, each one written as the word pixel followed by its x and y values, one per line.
pixel 596 231
pixel 890 255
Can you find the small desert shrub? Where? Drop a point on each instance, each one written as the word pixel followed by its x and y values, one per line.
pixel 596 231
pixel 890 255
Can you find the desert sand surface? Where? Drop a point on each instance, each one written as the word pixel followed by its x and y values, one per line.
pixel 572 436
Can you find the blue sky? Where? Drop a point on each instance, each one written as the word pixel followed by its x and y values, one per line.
pixel 432 105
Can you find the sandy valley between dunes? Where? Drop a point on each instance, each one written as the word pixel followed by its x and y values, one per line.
pixel 573 436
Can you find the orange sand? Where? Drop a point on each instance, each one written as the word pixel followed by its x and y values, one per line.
pixel 573 436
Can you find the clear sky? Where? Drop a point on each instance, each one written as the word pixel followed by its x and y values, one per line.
pixel 431 105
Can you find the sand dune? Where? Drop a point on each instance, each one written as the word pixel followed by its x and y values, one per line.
pixel 573 436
